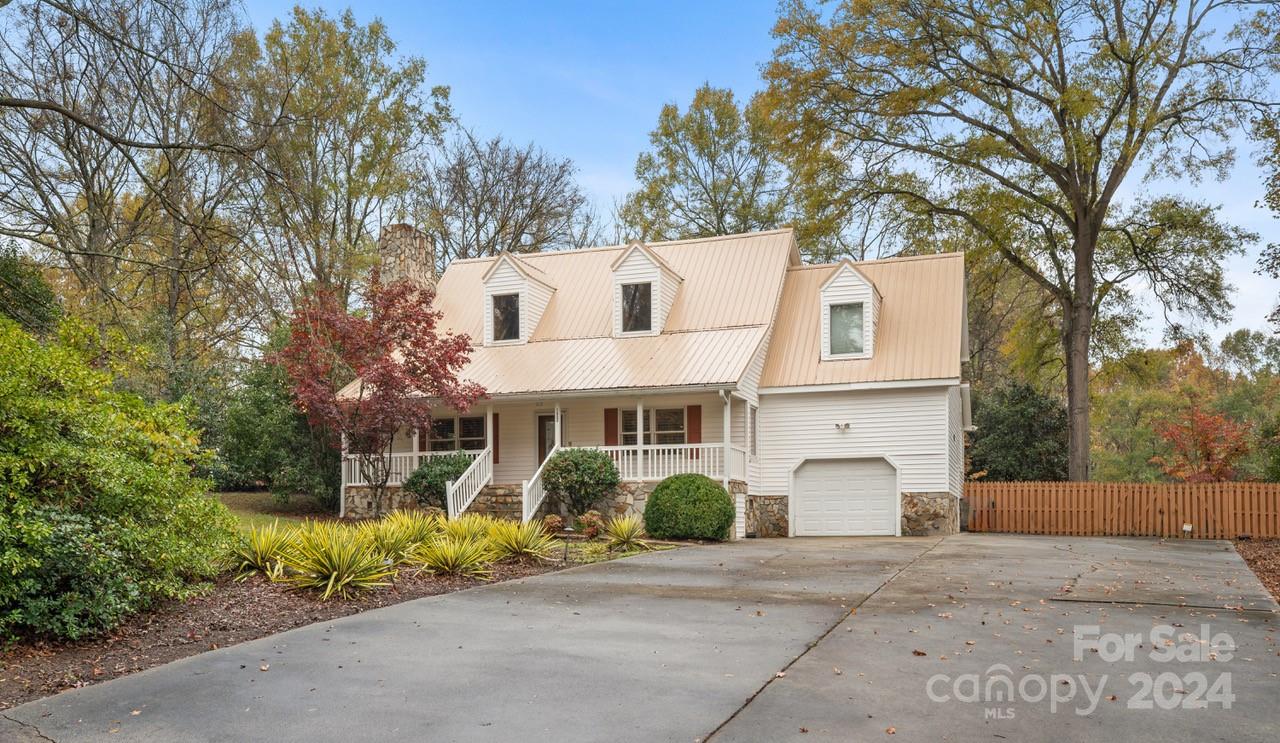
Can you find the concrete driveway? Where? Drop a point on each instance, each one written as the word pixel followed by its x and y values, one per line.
pixel 686 644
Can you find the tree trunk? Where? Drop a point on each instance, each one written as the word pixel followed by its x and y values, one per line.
pixel 1077 330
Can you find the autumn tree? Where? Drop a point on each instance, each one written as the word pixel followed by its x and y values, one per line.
pixel 355 116
pixel 1021 435
pixel 1206 446
pixel 362 376
pixel 1026 121
pixel 477 198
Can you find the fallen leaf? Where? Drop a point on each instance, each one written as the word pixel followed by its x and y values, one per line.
pixel 891 730
pixel 264 667
pixel 918 652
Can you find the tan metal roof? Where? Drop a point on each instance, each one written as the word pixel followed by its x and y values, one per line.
pixel 919 333
pixel 731 286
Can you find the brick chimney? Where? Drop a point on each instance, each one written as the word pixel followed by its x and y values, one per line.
pixel 407 253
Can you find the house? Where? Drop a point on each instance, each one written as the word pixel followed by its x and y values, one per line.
pixel 827 399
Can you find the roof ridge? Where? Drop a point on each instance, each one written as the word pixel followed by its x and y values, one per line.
pixel 601 248
pixel 891 259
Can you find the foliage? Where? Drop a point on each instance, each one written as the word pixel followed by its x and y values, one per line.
pixel 1021 435
pixel 469 527
pixel 70 443
pixel 24 294
pixel 429 482
pixel 399 362
pixel 71 582
pixel 590 524
pixel 552 524
pixel 510 540
pixel 688 507
pixel 420 526
pixel 260 551
pixel 1029 147
pixel 580 478
pixel 335 559
pixel 470 558
pixel 1207 447
pixel 625 533
pixel 265 441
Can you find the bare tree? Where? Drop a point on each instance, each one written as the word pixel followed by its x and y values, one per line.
pixel 478 198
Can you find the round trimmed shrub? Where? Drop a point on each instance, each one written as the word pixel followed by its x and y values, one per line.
pixel 688 507
pixel 429 482
pixel 580 478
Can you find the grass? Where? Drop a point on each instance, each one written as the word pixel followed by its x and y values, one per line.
pixel 260 510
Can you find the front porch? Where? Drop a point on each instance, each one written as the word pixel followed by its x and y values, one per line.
pixel 649 438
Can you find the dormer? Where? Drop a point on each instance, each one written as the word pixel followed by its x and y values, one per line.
pixel 644 288
pixel 850 309
pixel 515 295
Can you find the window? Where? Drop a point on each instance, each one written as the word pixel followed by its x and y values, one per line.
pixel 451 434
pixel 846 328
pixel 666 424
pixel 637 308
pixel 506 317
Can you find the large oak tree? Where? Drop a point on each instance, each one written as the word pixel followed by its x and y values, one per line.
pixel 1031 122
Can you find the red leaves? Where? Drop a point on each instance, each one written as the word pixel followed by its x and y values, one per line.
pixel 397 361
pixel 1206 446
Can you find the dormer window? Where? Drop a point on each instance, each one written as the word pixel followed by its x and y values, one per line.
pixel 847 334
pixel 637 308
pixel 506 317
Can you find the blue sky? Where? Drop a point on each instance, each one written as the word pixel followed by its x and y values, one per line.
pixel 586 80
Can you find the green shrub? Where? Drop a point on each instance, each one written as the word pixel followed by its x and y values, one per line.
pixel 261 550
pixel 688 507
pixel 429 482
pixel 590 524
pixel 511 541
pixel 625 533
pixel 465 557
pixel 72 446
pixel 580 478
pixel 335 559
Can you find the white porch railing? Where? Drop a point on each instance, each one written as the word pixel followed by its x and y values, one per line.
pixel 659 461
pixel 402 465
pixel 532 492
pixel 461 492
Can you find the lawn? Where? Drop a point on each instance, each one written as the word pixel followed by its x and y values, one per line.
pixel 260 509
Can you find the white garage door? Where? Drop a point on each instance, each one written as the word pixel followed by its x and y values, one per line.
pixel 845 497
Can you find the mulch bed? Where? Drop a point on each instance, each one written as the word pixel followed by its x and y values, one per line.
pixel 1263 556
pixel 230 613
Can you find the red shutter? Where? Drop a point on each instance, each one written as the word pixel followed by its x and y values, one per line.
pixel 610 426
pixel 693 427
pixel 494 443
pixel 424 438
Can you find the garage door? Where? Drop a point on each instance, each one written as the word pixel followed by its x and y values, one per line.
pixel 845 497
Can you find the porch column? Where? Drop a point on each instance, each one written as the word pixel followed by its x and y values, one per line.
pixel 728 420
pixel 488 427
pixel 558 424
pixel 640 468
pixel 342 490
pixel 413 438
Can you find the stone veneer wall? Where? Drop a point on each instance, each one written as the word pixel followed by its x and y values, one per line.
pixel 929 514
pixel 767 516
pixel 629 498
pixel 360 501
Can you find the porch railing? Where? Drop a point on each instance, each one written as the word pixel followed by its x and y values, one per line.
pixel 461 492
pixel 402 465
pixel 532 493
pixel 659 461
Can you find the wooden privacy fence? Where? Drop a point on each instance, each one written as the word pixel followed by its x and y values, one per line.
pixel 1217 510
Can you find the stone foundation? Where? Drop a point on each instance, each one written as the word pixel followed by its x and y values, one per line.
pixel 930 514
pixel 767 516
pixel 499 501
pixel 629 498
pixel 360 501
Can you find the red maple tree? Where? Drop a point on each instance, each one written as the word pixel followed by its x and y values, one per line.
pixel 362 376
pixel 1206 446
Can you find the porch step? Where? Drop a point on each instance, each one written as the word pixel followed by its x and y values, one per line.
pixel 499 501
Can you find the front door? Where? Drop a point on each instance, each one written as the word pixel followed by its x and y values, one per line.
pixel 547 434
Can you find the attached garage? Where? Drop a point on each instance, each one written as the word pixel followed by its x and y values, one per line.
pixel 845 497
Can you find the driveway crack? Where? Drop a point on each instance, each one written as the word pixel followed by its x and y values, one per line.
pixel 817 640
pixel 28 726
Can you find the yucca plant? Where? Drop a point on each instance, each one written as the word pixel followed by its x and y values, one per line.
pixel 625 533
pixel 467 527
pixel 335 559
pixel 510 540
pixel 261 550
pixel 419 525
pixel 465 557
